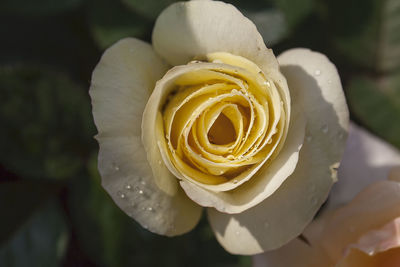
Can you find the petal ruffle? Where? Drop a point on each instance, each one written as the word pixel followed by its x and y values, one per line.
pixel 313 81
pixel 121 84
pixel 186 30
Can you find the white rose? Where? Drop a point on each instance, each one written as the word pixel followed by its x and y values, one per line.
pixel 208 117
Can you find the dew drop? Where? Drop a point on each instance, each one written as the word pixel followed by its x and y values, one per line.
pixel 317 72
pixel 267 83
pixel 115 166
pixel 313 201
pixel 324 128
pixel 141 192
pixel 150 209
pixel 121 195
pixel 128 187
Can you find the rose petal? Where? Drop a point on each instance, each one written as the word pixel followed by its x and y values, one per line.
pixel 289 256
pixel 380 240
pixel 186 30
pixel 394 174
pixel 376 205
pixel 121 85
pixel 313 81
pixel 124 77
pixel 366 159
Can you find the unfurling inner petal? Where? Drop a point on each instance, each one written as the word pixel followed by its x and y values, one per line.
pixel 220 117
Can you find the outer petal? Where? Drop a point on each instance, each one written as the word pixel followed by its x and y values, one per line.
pixel 121 85
pixel 186 30
pixel 314 81
pixel 366 159
pixel 374 207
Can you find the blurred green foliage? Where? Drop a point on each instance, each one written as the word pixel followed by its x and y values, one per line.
pixel 55 213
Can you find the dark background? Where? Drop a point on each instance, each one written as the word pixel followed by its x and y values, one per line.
pixel 53 211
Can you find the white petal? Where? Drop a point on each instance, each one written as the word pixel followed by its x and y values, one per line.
pixel 186 30
pixel 313 80
pixel 121 85
pixel 297 253
pixel 366 159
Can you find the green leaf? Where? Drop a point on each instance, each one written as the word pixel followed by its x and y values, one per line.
pixel 367 34
pixel 110 238
pixel 19 200
pixel 150 9
pixel 40 241
pixel 37 7
pixel 110 21
pixel 295 10
pixel 47 123
pixel 376 103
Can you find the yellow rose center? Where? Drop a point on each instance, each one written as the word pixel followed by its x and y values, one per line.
pixel 222 118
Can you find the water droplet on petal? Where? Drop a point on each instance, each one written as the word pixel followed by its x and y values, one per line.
pixel 317 72
pixel 267 83
pixel 128 187
pixel 115 166
pixel 324 128
pixel 314 201
pixel 141 192
pixel 121 195
pixel 150 209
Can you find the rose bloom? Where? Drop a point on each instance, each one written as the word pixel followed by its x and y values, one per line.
pixel 208 117
pixel 363 233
